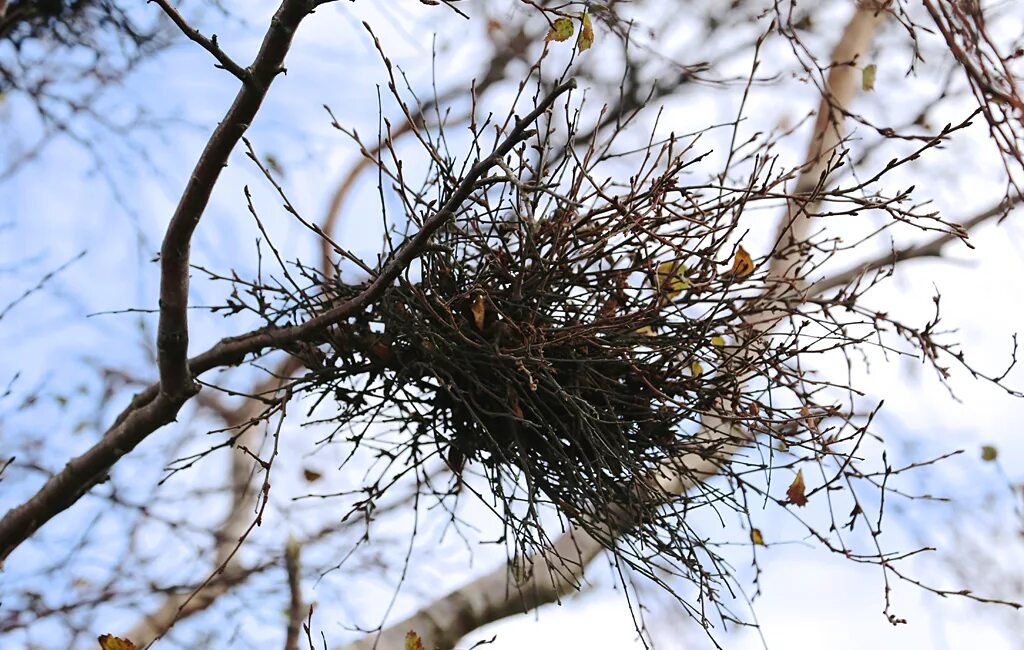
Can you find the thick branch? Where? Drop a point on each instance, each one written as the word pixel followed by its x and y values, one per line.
pixel 172 332
pixel 549 577
pixel 154 407
pixel 296 606
pixel 829 130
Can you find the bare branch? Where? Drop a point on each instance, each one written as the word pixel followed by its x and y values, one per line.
pixel 208 44
pixel 829 128
pixel 559 570
pixel 296 606
pixel 931 248
pixel 172 333
pixel 154 407
pixel 545 578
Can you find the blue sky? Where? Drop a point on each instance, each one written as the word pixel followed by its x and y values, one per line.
pixel 59 206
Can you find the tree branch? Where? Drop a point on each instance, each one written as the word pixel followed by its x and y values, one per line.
pixel 559 570
pixel 931 248
pixel 154 407
pixel 550 576
pixel 172 332
pixel 232 530
pixel 208 44
pixel 829 130
pixel 296 607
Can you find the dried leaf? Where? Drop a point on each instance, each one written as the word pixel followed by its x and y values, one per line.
pixel 479 310
pixel 311 475
pixel 989 453
pixel 756 537
pixel 413 641
pixel 672 278
pixel 609 307
pixel 513 401
pixel 646 330
pixel 796 490
pixel 586 38
pixel 742 264
pixel 809 419
pixel 111 642
pixel 867 77
pixel 561 30
pixel 696 369
pixel 718 341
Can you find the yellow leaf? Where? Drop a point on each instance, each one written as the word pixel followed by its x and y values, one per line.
pixel 867 77
pixel 989 453
pixel 796 491
pixel 561 30
pixel 586 38
pixel 111 642
pixel 413 641
pixel 718 341
pixel 742 264
pixel 696 369
pixel 479 310
pixel 672 278
pixel 646 330
pixel 756 537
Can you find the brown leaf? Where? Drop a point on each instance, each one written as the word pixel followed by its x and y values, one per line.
pixel 513 400
pixel 456 459
pixel 311 475
pixel 742 264
pixel 413 641
pixel 479 310
pixel 111 642
pixel 809 419
pixel 586 38
pixel 609 307
pixel 795 493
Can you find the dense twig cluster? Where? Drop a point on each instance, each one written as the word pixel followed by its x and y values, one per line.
pixel 572 333
pixel 579 329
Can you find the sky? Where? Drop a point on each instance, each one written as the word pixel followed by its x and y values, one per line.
pixel 809 598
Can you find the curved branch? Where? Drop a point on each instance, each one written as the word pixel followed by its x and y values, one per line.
pixel 172 332
pixel 549 577
pixel 232 530
pixel 154 407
